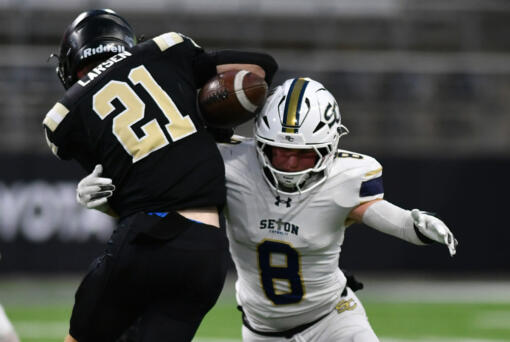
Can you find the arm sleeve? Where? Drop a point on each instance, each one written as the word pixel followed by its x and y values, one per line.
pixel 390 219
pixel 208 60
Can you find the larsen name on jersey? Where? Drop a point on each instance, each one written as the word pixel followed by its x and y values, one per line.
pixel 102 67
pixel 287 256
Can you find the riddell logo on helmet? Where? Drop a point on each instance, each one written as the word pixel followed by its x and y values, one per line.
pixel 102 49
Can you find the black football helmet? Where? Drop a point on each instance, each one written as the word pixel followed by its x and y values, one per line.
pixel 94 35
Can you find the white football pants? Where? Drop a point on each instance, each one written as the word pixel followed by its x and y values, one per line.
pixel 347 323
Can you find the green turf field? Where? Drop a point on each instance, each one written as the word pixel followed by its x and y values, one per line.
pixel 39 309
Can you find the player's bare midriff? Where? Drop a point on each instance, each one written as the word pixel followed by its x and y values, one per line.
pixel 207 215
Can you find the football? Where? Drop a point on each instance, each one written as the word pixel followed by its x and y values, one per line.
pixel 231 98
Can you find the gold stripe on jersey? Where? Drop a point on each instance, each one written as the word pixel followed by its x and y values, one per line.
pixel 55 116
pixel 52 146
pixel 167 40
pixel 292 105
pixel 374 172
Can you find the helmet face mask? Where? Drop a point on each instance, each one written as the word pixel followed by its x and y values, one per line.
pixel 300 114
pixel 92 37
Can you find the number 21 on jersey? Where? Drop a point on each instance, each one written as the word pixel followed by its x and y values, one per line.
pixel 275 275
pixel 179 126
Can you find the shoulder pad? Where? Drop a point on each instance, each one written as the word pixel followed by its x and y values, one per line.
pixel 360 177
pixel 235 140
pixel 240 146
pixel 357 163
pixel 347 154
pixel 169 39
pixel 191 40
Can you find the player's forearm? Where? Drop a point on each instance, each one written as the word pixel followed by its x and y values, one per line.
pixel 393 220
pixel 263 60
pixel 253 68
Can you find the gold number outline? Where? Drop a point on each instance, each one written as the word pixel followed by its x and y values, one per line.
pixel 265 249
pixel 179 126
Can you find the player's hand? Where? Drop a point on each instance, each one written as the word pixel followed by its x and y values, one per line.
pixel 434 229
pixel 93 191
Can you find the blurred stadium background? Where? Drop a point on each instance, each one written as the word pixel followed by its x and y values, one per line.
pixel 423 86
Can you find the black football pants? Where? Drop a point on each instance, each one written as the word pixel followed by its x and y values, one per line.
pixel 163 273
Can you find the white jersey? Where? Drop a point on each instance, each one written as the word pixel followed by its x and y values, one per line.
pixel 286 248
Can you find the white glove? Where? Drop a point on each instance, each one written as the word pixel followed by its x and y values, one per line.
pixel 93 191
pixel 434 229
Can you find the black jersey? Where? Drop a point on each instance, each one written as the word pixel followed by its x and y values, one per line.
pixel 136 114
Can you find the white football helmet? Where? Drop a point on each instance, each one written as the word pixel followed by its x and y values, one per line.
pixel 299 114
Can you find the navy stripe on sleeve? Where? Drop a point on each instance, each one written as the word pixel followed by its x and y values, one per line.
pixel 371 187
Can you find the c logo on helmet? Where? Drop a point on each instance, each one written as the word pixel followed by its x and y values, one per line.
pixel 331 115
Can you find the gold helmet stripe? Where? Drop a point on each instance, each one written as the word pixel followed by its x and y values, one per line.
pixel 293 104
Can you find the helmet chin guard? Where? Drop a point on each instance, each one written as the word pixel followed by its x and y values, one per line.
pixel 299 114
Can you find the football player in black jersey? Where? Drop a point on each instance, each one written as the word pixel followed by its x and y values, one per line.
pixel 132 108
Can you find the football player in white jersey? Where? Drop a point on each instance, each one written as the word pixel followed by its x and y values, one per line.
pixel 291 193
